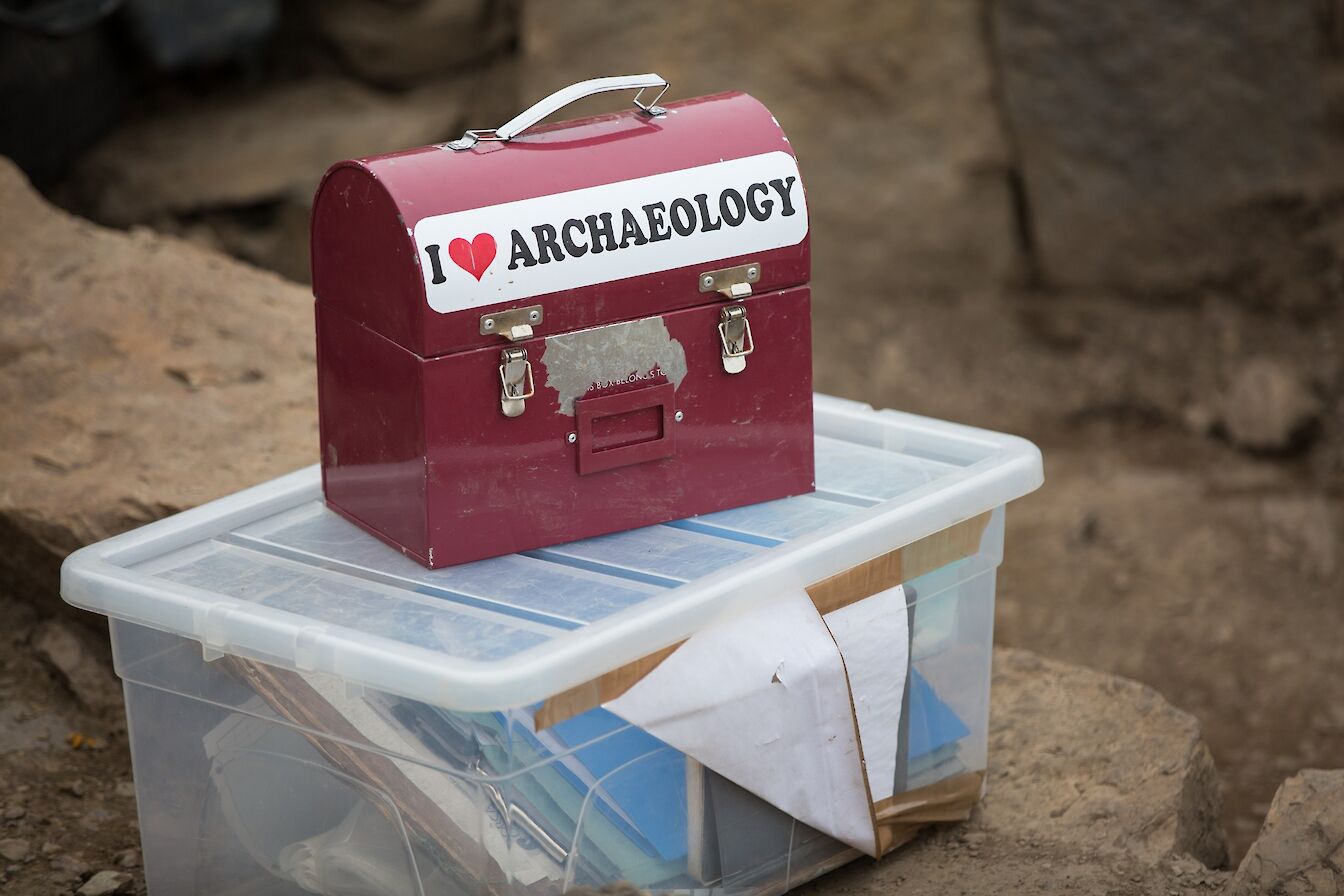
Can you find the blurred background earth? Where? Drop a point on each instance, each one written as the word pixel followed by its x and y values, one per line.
pixel 1114 228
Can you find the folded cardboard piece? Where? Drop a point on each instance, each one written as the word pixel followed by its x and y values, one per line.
pixel 799 700
pixel 762 699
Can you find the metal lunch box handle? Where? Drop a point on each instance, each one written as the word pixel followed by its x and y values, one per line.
pixel 563 97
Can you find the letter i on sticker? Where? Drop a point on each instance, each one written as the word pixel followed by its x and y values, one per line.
pixel 435 266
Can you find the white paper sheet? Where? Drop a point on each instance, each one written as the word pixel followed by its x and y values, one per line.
pixel 762 699
pixel 874 638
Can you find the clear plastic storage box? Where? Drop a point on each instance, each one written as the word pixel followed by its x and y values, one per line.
pixel 311 712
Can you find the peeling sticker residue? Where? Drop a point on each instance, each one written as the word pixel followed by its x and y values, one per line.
pixel 589 360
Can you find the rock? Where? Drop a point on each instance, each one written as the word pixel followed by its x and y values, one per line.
pixel 22 729
pixel 15 812
pixel 890 107
pixel 274 237
pixel 105 883
pixel 128 858
pixel 175 35
pixel 61 95
pixel 87 677
pixel 71 866
pixel 1144 132
pixel 1301 846
pixel 14 849
pixel 1100 762
pixel 237 173
pixel 268 145
pixel 1268 407
pixel 98 819
pixel 1095 785
pixel 148 375
pixel 50 848
pixel 400 43
pixel 1301 532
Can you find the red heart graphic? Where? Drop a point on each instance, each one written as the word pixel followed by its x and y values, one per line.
pixel 475 256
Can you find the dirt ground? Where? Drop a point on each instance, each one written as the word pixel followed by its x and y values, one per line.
pixel 67 801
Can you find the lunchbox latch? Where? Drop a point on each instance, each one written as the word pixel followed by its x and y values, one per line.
pixel 515 374
pixel 734 329
pixel 735 336
pixel 515 324
pixel 732 283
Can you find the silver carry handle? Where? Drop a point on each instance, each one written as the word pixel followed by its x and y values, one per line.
pixel 561 98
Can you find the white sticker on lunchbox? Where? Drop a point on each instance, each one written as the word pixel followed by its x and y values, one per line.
pixel 532 247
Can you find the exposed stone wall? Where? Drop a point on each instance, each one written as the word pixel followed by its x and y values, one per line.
pixel 949 143
pixel 1147 133
pixel 890 107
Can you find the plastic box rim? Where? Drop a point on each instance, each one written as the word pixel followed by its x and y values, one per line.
pixel 96 577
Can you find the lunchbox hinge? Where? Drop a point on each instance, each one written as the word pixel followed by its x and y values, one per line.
pixel 515 375
pixel 735 336
pixel 732 283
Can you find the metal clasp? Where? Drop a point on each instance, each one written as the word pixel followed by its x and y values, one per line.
pixel 515 324
pixel 515 376
pixel 732 283
pixel 735 337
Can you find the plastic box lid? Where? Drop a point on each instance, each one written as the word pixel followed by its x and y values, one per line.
pixel 272 575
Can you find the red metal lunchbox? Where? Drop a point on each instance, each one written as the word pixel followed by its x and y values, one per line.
pixel 537 334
